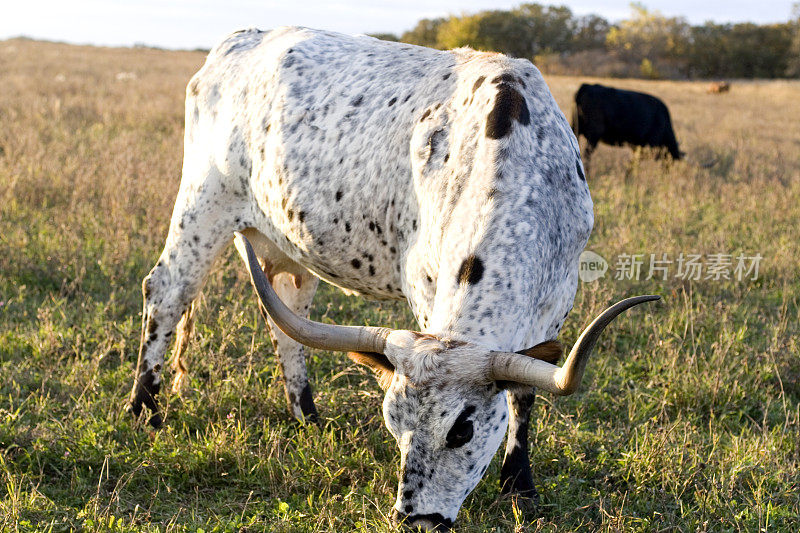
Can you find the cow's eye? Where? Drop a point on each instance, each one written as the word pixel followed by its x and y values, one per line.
pixel 462 430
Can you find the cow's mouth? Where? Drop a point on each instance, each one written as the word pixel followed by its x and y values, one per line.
pixel 425 522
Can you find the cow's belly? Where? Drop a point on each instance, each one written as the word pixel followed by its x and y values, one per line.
pixel 338 203
pixel 335 228
pixel 340 257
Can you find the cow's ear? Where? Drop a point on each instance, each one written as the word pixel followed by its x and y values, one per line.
pixel 547 351
pixel 379 363
pixel 430 145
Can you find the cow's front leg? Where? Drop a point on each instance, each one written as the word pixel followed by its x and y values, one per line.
pixel 515 475
pixel 297 292
pixel 168 292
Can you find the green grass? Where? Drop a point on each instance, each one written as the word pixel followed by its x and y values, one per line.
pixel 688 419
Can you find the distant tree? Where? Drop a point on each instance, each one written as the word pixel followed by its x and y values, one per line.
pixel 646 44
pixel 498 31
pixel 589 32
pixel 743 50
pixel 466 30
pixel 525 31
pixel 793 60
pixel 756 51
pixel 549 28
pixel 425 33
pixel 385 36
pixel 650 35
pixel 708 55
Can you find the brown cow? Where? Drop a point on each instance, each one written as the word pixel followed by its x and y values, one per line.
pixel 718 87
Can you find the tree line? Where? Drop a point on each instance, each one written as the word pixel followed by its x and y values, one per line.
pixel 646 44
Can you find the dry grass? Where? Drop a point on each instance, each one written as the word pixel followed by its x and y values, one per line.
pixel 688 421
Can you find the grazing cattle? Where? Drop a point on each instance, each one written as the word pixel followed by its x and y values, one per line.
pixel 718 87
pixel 450 179
pixel 618 117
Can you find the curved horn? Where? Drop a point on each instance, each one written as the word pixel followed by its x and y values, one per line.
pixel 304 331
pixel 560 380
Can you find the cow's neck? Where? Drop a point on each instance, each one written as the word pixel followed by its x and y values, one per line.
pixel 498 265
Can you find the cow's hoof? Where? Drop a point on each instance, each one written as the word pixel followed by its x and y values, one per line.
pixel 527 492
pixel 522 493
pixel 311 418
pixel 156 421
pixel 144 394
pixel 134 409
pixel 527 505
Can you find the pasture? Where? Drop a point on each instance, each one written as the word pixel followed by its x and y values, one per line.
pixel 688 418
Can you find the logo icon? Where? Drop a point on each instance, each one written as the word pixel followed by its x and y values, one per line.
pixel 591 266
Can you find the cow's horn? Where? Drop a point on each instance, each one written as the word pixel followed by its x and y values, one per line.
pixel 304 331
pixel 560 380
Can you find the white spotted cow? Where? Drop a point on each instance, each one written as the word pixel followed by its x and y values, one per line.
pixel 450 179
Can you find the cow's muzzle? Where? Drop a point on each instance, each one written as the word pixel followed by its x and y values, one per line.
pixel 424 522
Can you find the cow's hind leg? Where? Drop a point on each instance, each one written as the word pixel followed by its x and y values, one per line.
pixel 297 291
pixel 516 477
pixel 168 291
pixel 296 287
pixel 199 230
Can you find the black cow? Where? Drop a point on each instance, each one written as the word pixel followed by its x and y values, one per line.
pixel 619 117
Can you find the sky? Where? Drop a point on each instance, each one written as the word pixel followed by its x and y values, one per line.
pixel 192 24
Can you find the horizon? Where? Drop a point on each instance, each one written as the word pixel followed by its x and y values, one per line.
pixel 153 24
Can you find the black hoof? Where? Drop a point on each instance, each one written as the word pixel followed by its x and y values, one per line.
pixel 522 490
pixel 307 406
pixel 145 391
pixel 156 420
pixel 134 409
pixel 527 505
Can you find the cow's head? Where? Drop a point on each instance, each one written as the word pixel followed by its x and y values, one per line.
pixel 443 403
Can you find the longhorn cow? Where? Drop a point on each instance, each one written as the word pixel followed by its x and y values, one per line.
pixel 450 179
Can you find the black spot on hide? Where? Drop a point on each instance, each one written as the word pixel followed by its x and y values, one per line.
pixel 470 271
pixel 509 106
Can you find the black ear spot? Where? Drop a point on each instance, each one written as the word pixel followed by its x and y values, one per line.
pixel 462 430
pixel 378 362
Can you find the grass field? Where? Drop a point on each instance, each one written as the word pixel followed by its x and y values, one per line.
pixel 688 420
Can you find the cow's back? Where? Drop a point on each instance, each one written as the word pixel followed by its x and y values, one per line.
pixel 383 167
pixel 321 124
